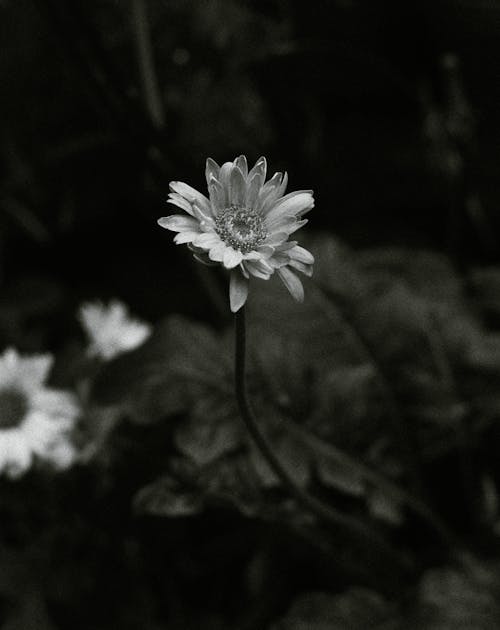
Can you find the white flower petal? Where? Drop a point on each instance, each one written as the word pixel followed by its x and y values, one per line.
pixel 243 270
pixel 225 173
pixel 178 223
pixel 280 224
pixel 185 237
pixel 203 259
pixel 254 185
pixel 177 200
pixel 15 454
pixel 232 258
pixel 258 269
pixel 302 255
pixel 260 169
pixel 265 251
pixel 217 195
pixel 238 187
pixel 268 197
pixel 276 238
pixel 217 252
pixel 238 290
pixel 292 283
pixel 56 403
pixel 307 270
pixel 272 184
pixel 111 330
pixel 254 255
pixel 283 185
pixel 189 193
pixel 241 163
pixel 212 169
pixel 35 370
pixel 297 226
pixel 61 454
pixel 207 241
pixel 292 204
pixel 284 247
pixel 204 217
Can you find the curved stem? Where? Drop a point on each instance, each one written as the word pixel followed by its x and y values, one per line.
pixel 324 512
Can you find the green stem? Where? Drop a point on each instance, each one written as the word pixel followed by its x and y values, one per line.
pixel 323 512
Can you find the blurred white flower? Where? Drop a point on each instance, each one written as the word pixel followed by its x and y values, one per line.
pixel 110 329
pixel 244 225
pixel 35 421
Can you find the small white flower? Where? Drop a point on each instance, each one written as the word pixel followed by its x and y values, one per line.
pixel 110 329
pixel 35 421
pixel 243 225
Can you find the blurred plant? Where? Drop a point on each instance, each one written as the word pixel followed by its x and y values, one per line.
pixel 387 346
pixel 110 329
pixel 335 380
pixel 446 598
pixel 35 421
pixel 450 134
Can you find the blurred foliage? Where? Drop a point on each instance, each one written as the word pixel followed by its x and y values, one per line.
pixel 446 598
pixel 383 379
pixel 379 393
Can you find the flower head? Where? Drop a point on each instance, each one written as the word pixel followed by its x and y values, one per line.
pixel 35 421
pixel 244 225
pixel 110 329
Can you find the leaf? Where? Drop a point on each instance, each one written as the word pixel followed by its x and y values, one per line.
pixel 31 613
pixel 356 608
pixel 336 268
pixel 156 380
pixel 484 353
pixel 187 489
pixel 485 285
pixel 453 598
pixel 428 274
pixel 385 508
pixel 169 497
pixel 314 322
pixel 204 438
pixel 293 458
pixel 339 478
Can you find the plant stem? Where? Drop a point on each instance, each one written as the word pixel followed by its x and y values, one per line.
pixel 324 512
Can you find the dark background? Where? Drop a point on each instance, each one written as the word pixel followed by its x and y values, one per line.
pixel 388 110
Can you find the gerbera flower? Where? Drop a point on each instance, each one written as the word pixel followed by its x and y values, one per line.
pixel 110 329
pixel 35 421
pixel 243 225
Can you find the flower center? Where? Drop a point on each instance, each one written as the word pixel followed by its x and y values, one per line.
pixel 13 407
pixel 242 228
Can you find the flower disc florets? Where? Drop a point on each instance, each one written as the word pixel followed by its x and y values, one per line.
pixel 242 228
pixel 244 224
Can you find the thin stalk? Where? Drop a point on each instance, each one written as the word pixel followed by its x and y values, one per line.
pixel 322 511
